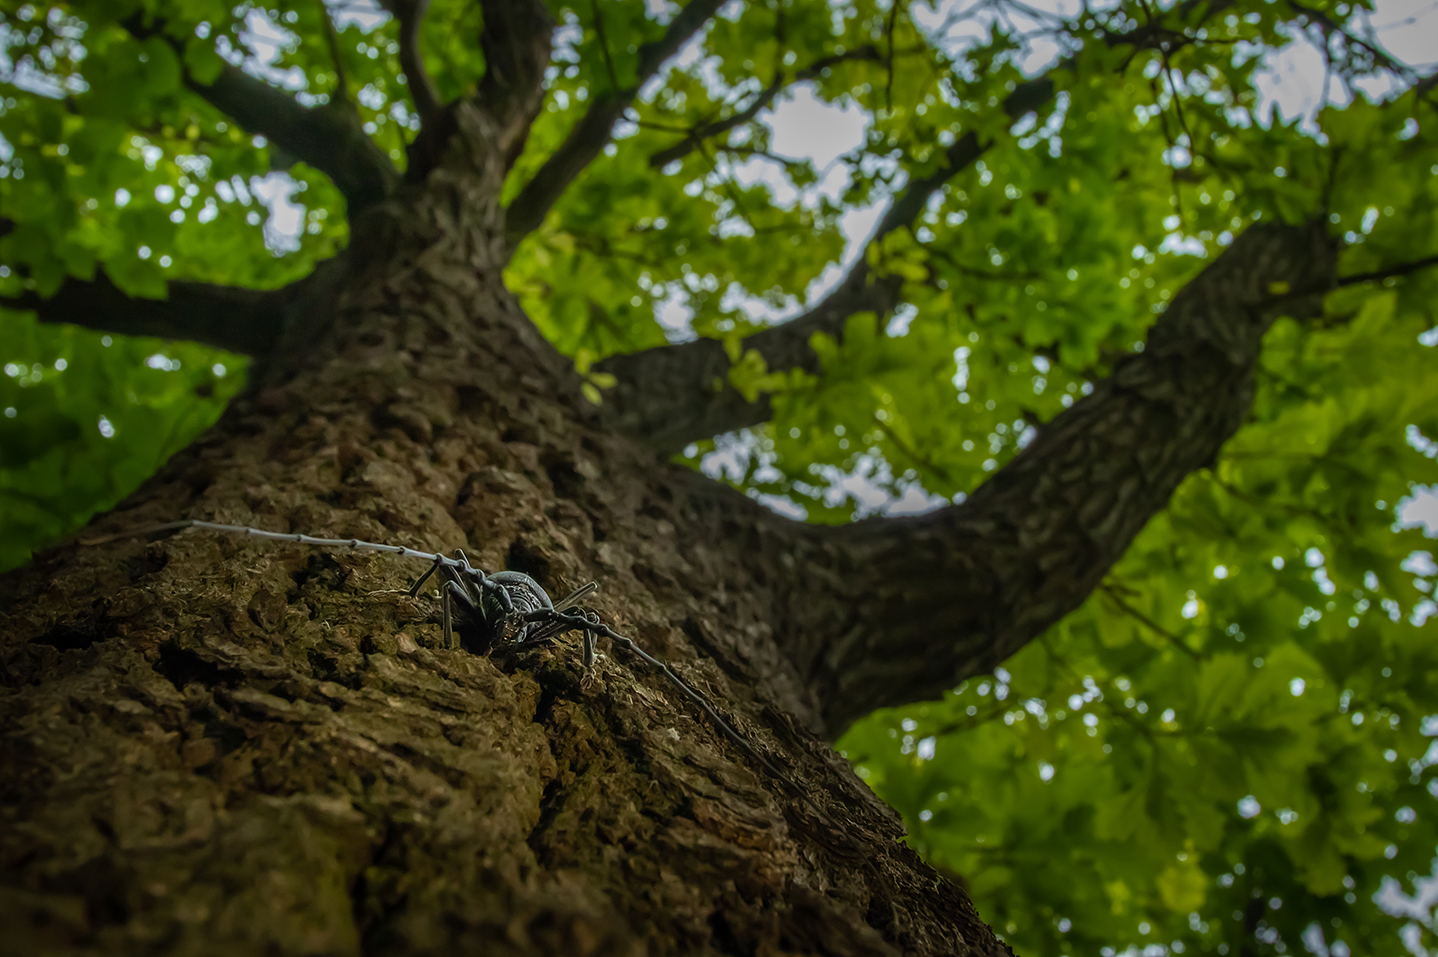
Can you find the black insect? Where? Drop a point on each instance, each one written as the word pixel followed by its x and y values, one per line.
pixel 492 608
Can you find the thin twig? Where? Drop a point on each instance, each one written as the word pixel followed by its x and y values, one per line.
pixel 599 34
pixel 1392 272
pixel 704 131
pixel 912 454
pixel 1178 642
pixel 332 40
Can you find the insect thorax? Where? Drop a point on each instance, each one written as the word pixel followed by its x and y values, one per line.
pixel 525 595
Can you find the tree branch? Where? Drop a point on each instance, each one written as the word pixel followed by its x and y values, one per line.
pixel 705 131
pixel 332 42
pixel 516 45
pixel 410 15
pixel 1392 272
pixel 665 397
pixel 1329 27
pixel 247 321
pixel 910 607
pixel 329 137
pixel 592 133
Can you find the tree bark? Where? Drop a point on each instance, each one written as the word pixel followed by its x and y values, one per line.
pixel 217 746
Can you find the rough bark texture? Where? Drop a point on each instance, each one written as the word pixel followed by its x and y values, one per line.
pixel 214 746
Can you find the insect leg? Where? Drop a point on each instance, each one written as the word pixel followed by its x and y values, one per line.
pixel 456 585
pixel 438 563
pixel 446 618
pixel 471 579
pixel 549 629
pixel 453 592
pixel 573 597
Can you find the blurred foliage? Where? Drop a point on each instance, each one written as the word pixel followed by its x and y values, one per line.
pixel 1227 749
pixel 85 418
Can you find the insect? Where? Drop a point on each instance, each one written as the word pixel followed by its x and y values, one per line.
pixel 496 604
pixel 504 607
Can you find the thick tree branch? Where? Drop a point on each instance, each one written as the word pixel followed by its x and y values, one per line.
pixel 684 377
pixel 247 321
pixel 591 134
pixel 665 396
pixel 516 45
pixel 329 137
pixel 916 605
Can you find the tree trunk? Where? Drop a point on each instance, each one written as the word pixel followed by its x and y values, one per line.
pixel 215 745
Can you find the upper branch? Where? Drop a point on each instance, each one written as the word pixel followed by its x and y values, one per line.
pixel 910 607
pixel 329 137
pixel 591 134
pixel 705 131
pixel 664 396
pixel 410 14
pixel 516 45
pixel 242 320
pixel 1329 27
pixel 515 42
